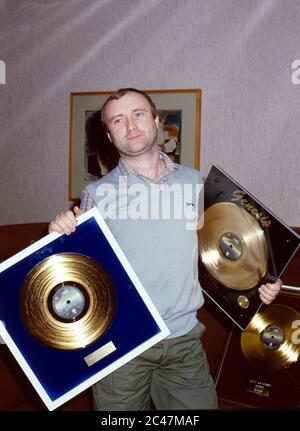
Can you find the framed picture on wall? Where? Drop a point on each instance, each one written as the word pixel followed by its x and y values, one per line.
pixel 91 153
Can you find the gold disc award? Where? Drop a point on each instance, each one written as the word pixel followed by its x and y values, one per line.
pixel 67 301
pixel 268 338
pixel 232 246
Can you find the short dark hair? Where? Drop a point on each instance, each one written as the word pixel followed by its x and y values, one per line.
pixel 116 95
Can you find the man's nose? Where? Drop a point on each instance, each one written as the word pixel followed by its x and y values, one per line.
pixel 130 123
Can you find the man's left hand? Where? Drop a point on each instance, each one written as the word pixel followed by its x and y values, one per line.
pixel 269 291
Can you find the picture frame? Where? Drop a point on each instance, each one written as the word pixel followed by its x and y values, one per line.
pixel 91 155
pixel 39 340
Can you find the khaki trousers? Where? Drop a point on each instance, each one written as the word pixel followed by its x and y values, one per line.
pixel 174 374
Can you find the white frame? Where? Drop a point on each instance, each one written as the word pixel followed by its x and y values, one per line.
pixel 12 344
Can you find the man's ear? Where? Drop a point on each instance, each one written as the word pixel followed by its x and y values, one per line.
pixel 157 121
pixel 108 135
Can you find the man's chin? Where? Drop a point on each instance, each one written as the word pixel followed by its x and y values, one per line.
pixel 136 151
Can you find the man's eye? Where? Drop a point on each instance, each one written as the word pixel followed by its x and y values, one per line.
pixel 139 114
pixel 117 121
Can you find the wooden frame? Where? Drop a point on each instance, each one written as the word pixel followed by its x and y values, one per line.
pixel 184 105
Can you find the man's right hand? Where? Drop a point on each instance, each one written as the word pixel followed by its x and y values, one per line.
pixel 65 222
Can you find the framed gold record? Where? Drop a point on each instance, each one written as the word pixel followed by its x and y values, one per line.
pixel 269 338
pixel 241 246
pixel 73 310
pixel 260 366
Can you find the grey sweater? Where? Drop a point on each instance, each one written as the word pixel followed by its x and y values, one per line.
pixel 155 226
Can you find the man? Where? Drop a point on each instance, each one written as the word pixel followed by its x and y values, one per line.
pixel 163 253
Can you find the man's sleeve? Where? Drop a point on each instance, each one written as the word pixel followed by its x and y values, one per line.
pixel 86 201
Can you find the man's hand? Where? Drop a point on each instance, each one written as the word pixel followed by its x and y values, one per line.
pixel 65 222
pixel 269 291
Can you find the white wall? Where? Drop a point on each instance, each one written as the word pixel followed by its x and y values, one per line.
pixel 238 52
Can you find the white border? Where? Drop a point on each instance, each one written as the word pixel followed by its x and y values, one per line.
pixel 53 404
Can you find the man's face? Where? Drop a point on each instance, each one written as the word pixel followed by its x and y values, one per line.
pixel 131 126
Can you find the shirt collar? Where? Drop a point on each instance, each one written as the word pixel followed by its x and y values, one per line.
pixel 170 166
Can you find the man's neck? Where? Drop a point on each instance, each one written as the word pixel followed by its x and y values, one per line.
pixel 150 165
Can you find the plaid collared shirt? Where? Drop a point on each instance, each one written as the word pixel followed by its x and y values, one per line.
pixel 87 202
pixel 170 166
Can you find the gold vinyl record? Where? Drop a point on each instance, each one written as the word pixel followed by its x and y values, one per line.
pixel 268 339
pixel 67 301
pixel 232 246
